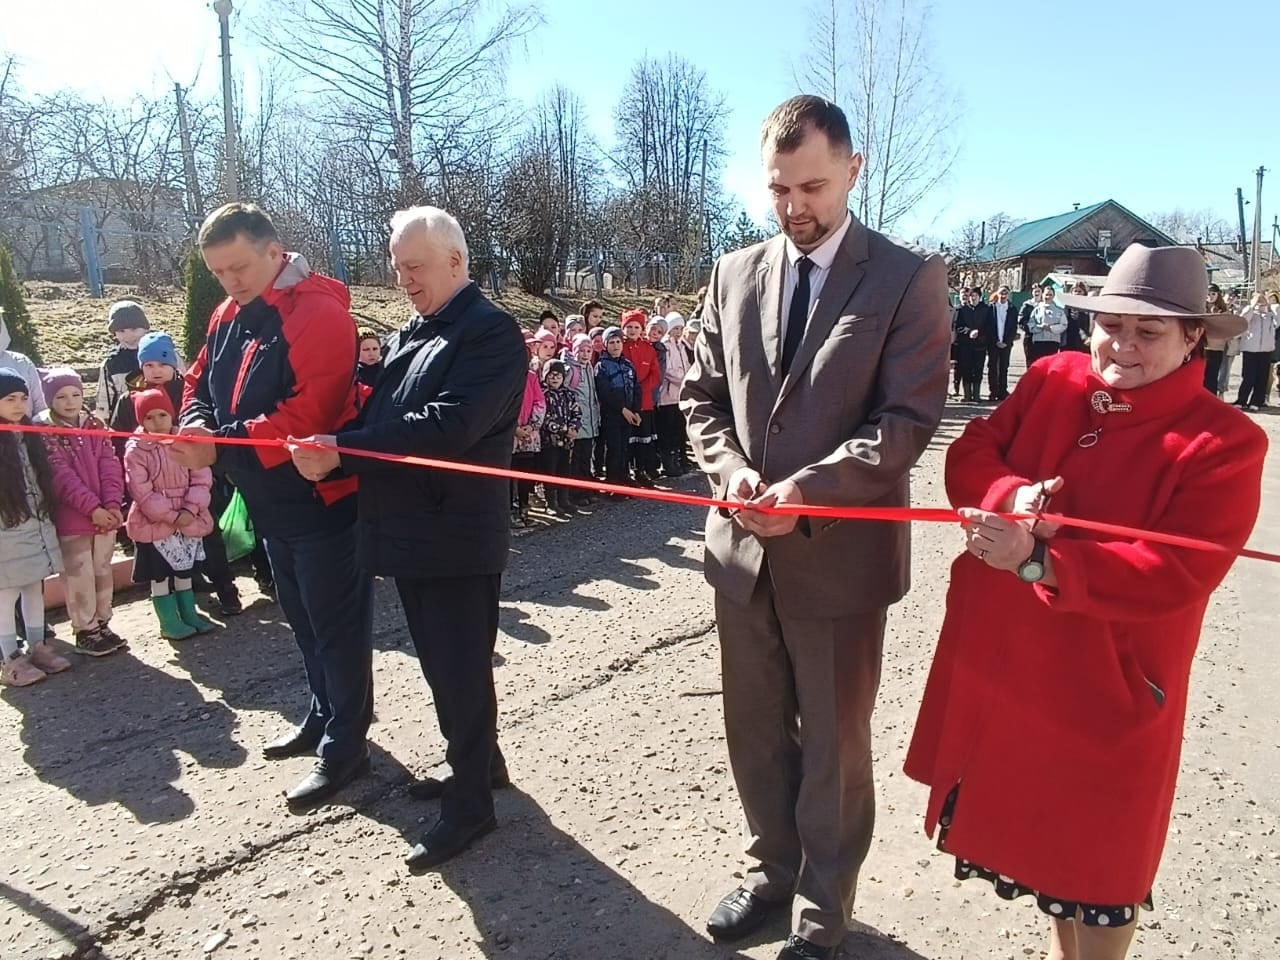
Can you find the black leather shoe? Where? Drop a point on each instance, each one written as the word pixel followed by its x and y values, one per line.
pixel 326 780
pixel 798 948
pixel 741 913
pixel 297 743
pixel 445 841
pixel 433 788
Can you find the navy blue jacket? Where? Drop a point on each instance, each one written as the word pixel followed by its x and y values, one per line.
pixel 450 389
pixel 617 385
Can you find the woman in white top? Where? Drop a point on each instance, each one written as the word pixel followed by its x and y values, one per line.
pixel 1257 345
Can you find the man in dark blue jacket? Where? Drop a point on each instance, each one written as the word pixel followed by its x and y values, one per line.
pixel 450 389
pixel 280 361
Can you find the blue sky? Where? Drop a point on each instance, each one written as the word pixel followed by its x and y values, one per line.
pixel 1155 104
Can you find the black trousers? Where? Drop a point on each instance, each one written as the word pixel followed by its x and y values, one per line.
pixel 670 423
pixel 454 625
pixel 1253 380
pixel 998 370
pixel 580 465
pixel 617 447
pixel 598 454
pixel 520 489
pixel 555 462
pixel 970 363
pixel 1212 368
pixel 328 601
pixel 644 445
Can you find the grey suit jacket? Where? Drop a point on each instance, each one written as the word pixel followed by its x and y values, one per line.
pixel 862 399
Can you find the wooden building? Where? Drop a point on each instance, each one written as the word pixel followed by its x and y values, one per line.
pixel 1083 241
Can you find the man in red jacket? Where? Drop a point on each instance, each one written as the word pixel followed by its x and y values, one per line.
pixel 259 378
pixel 637 348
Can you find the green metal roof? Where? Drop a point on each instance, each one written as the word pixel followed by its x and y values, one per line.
pixel 1022 240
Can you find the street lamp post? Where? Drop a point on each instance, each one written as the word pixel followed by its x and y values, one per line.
pixel 223 9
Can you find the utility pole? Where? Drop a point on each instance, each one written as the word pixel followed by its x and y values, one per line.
pixel 1257 232
pixel 1244 243
pixel 1271 254
pixel 231 180
pixel 195 202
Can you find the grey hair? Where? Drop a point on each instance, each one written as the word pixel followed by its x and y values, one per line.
pixel 440 226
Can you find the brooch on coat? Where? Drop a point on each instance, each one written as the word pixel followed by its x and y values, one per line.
pixel 1101 402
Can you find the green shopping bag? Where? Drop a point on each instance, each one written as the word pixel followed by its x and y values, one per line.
pixel 237 528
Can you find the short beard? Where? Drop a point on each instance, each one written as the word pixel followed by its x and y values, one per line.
pixel 818 231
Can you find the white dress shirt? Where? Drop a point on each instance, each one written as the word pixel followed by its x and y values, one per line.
pixel 822 258
pixel 1002 317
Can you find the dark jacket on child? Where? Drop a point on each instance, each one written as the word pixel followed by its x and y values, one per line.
pixel 617 385
pixel 563 414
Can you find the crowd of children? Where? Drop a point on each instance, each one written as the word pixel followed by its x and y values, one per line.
pixel 602 403
pixel 66 499
pixel 599 403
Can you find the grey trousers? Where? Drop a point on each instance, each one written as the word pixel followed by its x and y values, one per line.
pixel 798 697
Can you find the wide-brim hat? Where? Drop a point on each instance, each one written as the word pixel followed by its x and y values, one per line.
pixel 1159 282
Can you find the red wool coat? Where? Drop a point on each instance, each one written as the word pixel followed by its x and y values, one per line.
pixel 1040 702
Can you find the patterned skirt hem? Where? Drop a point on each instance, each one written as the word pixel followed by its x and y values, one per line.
pixel 1090 914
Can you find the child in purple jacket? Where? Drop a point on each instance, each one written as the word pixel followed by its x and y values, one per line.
pixel 88 487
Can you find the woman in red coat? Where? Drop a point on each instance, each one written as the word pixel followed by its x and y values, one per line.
pixel 1051 725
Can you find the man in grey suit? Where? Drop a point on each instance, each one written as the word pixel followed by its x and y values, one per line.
pixel 819 378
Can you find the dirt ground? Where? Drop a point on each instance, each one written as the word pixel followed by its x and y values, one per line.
pixel 143 823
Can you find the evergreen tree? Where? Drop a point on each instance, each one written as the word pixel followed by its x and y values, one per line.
pixel 22 332
pixel 203 294
pixel 743 233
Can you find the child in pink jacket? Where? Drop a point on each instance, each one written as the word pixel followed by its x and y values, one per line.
pixel 88 489
pixel 168 517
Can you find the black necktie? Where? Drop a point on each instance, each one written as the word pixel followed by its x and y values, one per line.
pixel 797 314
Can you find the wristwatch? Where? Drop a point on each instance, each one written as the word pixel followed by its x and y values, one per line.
pixel 1032 569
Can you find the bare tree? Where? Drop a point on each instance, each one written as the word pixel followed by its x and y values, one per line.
pixel 1187 226
pixel 966 241
pixel 408 71
pixel 877 59
pixel 546 190
pixel 667 116
pixel 999 224
pixel 121 162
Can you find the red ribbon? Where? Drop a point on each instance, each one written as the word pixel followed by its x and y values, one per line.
pixel 890 514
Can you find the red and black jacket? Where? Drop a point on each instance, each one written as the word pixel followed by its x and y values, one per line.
pixel 283 365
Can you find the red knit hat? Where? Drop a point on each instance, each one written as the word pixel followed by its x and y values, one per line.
pixel 144 401
pixel 634 316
